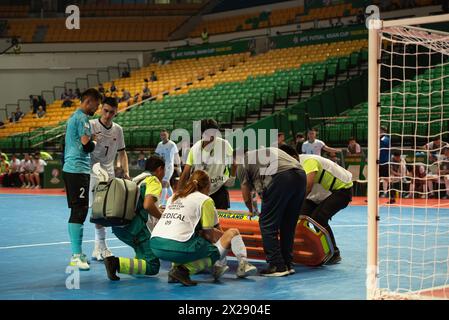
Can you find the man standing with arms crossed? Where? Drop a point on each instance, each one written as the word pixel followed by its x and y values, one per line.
pixel 110 142
pixel 168 150
pixel 79 143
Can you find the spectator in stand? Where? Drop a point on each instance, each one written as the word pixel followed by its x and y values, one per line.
pixel 40 112
pixel 126 96
pixel 113 87
pixel 42 103
pixel 146 92
pixel 126 74
pixel 136 97
pixel 439 174
pixel 37 176
pixel 101 89
pixel 153 76
pixel 77 93
pixel 35 103
pixel 12 117
pixel 71 95
pixel 314 145
pixel 141 160
pixel 354 148
pixel 299 142
pixel 26 169
pixel 16 116
pixel 418 181
pixel 435 148
pixel 14 171
pixel 281 139
pixel 397 172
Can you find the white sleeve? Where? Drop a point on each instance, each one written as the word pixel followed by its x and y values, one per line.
pixel 321 143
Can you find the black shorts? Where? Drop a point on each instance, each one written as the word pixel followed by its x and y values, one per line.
pixel 383 170
pixel 221 198
pixel 77 188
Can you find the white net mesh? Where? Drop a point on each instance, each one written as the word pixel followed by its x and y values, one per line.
pixel 413 237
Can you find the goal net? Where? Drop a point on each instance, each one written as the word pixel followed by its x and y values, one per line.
pixel 408 250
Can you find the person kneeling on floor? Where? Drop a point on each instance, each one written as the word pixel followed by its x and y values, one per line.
pixel 186 234
pixel 136 234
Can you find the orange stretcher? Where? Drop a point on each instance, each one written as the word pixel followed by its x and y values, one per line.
pixel 311 248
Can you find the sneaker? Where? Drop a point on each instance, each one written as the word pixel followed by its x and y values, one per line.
pixel 218 271
pixel 445 197
pixel 275 271
pixel 245 269
pixel 100 254
pixel 181 274
pixel 84 258
pixel 38 187
pixel 392 201
pixel 78 261
pixel 112 265
pixel 336 258
pixel 27 186
pixel 290 268
pixel 23 186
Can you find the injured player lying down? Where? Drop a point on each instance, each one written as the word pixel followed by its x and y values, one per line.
pixel 189 236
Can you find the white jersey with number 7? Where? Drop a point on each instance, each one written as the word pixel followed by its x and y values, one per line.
pixel 109 142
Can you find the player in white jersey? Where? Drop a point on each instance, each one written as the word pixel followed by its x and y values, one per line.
pixel 168 150
pixel 314 145
pixel 110 142
pixel 26 168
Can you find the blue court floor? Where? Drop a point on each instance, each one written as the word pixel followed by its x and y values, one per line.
pixel 34 254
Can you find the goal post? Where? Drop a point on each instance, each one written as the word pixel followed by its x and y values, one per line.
pixel 407 248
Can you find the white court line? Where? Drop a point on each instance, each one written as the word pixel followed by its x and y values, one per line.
pixel 28 195
pixel 113 239
pixel 46 244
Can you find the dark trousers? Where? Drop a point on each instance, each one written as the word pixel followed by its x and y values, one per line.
pixel 324 211
pixel 221 198
pixel 281 204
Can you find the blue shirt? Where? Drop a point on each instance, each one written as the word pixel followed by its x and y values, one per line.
pixel 76 160
pixel 384 156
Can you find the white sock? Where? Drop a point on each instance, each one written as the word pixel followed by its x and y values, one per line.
pixel 238 247
pixel 223 251
pixel 100 238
